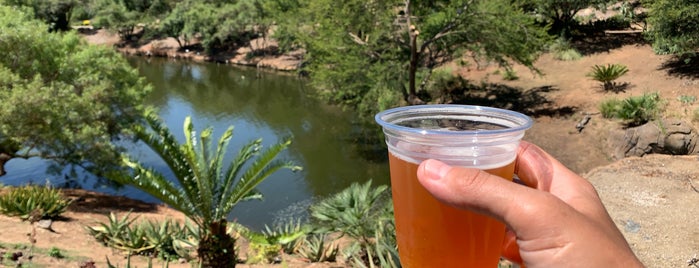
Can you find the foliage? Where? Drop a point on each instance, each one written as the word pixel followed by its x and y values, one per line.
pixel 559 13
pixel 203 190
pixel 357 50
pixel 364 214
pixel 634 110
pixel 33 201
pixel 695 115
pixel 63 100
pixel 267 245
pixel 316 249
pixel 55 252
pixel 147 238
pixel 56 13
pixel 687 99
pixel 609 108
pixel 606 74
pixel 510 75
pixel 674 27
pixel 562 50
pixel 217 24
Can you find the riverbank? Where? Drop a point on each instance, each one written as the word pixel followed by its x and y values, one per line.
pixel 260 53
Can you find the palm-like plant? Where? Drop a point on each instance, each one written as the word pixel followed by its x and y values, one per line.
pixel 203 191
pixel 606 74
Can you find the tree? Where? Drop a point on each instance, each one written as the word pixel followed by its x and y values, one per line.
pixel 673 26
pixel 204 191
pixel 366 54
pixel 54 12
pixel 125 16
pixel 63 100
pixel 218 25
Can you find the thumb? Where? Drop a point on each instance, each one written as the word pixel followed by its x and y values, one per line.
pixel 476 190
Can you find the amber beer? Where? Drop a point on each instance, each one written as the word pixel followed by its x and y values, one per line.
pixel 430 233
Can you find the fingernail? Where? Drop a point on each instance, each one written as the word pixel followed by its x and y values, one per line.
pixel 435 170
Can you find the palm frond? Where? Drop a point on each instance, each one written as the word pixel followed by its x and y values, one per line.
pixel 153 183
pixel 216 165
pixel 196 163
pixel 258 172
pixel 166 146
pixel 245 154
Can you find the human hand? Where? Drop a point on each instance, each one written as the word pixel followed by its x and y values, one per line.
pixel 558 220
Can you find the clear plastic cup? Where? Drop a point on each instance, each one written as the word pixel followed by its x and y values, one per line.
pixel 429 233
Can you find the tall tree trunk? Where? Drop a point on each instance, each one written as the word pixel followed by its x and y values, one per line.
pixel 217 248
pixel 412 70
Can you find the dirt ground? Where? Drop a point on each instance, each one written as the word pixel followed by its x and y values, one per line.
pixel 652 199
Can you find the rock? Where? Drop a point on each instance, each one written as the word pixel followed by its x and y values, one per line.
pixel 667 136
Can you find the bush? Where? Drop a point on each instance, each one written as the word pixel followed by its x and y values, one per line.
pixel 164 240
pixel 365 214
pixel 635 110
pixel 33 202
pixel 606 74
pixel 609 108
pixel 562 50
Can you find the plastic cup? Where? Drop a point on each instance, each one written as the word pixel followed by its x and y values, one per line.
pixel 429 233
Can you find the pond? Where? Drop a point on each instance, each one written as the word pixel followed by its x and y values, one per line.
pixel 259 105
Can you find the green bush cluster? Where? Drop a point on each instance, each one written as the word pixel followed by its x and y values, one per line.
pixel 33 202
pixel 634 110
pixel 168 240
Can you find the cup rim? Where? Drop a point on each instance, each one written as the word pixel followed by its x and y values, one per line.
pixel 517 117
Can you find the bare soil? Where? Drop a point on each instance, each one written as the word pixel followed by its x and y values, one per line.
pixel 652 199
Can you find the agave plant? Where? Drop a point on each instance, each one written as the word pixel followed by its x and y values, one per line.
pixel 203 190
pixel 606 74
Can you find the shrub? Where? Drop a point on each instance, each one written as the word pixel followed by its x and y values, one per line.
pixel 606 74
pixel 33 201
pixel 562 50
pixel 609 108
pixel 163 240
pixel 316 249
pixel 365 214
pixel 510 75
pixel 687 99
pixel 635 110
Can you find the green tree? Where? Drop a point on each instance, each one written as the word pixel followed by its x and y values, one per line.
pixel 219 25
pixel 673 26
pixel 124 16
pixel 63 100
pixel 203 190
pixel 363 51
pixel 54 12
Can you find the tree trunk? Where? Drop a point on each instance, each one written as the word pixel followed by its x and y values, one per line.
pixel 414 59
pixel 217 248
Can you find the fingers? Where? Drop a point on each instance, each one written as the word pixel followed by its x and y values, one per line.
pixel 476 190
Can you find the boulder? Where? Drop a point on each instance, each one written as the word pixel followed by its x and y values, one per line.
pixel 666 136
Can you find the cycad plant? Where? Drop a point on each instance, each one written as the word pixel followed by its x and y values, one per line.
pixel 203 190
pixel 606 74
pixel 365 214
